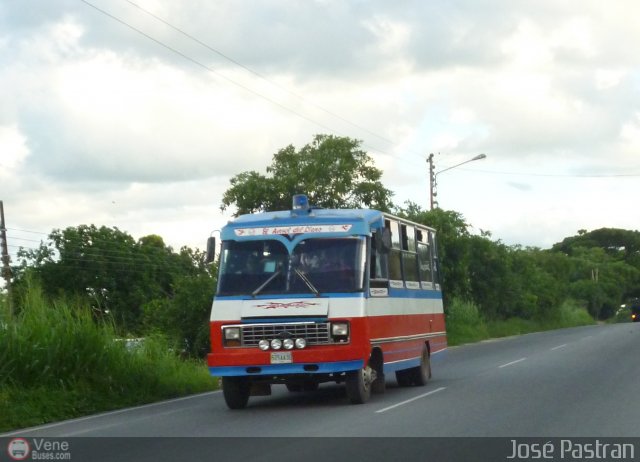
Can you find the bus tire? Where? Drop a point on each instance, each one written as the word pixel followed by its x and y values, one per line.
pixel 420 375
pixel 379 385
pixel 358 385
pixel 236 391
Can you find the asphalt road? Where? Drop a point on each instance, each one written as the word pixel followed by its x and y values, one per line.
pixel 580 382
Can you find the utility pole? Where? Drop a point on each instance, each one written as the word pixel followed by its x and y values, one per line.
pixel 432 182
pixel 433 175
pixel 6 268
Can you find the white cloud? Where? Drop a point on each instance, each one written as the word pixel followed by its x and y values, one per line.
pixel 13 149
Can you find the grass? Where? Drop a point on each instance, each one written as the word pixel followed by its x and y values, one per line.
pixel 466 325
pixel 57 362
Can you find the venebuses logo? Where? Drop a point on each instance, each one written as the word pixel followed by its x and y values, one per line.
pixel 18 449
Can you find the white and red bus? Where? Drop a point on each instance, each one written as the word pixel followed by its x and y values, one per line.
pixel 310 295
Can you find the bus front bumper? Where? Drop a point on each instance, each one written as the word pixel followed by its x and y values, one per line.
pixel 336 367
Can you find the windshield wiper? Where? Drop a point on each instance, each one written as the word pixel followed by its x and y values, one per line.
pixel 265 283
pixel 307 281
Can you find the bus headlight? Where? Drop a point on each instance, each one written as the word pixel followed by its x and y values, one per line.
pixel 301 343
pixel 231 336
pixel 276 343
pixel 340 331
pixel 287 343
pixel 263 345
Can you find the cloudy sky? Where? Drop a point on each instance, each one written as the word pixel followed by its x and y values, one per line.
pixel 136 114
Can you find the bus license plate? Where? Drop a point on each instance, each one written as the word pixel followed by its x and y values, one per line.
pixel 281 357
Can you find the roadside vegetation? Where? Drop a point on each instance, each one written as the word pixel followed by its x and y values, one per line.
pixel 465 324
pixel 58 362
pixel 85 286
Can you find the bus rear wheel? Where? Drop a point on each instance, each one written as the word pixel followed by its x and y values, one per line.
pixel 420 375
pixel 358 384
pixel 236 391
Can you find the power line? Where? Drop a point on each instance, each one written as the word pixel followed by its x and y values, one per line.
pixel 27 231
pixel 257 74
pixel 557 175
pixel 131 264
pixel 23 239
pixel 233 82
pixel 96 252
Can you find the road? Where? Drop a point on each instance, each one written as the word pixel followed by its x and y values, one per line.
pixel 579 382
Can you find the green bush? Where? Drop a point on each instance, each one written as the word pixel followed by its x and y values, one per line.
pixel 571 314
pixel 464 323
pixel 57 361
pixel 512 326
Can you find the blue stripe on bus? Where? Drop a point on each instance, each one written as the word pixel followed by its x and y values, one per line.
pixel 292 296
pixel 413 293
pixel 393 293
pixel 400 365
pixel 282 369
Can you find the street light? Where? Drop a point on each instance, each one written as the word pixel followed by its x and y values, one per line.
pixel 433 175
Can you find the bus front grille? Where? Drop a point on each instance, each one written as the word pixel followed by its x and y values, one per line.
pixel 313 333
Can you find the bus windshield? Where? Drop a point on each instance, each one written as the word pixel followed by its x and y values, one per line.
pixel 316 266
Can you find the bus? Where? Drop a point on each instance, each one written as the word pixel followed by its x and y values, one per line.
pixel 311 295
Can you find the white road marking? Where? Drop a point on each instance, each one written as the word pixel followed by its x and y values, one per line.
pixel 512 362
pixel 410 400
pixel 559 346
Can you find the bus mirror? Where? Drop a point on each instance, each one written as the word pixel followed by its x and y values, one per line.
pixel 211 250
pixel 383 240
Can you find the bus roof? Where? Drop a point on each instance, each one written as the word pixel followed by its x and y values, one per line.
pixel 305 219
pixel 364 220
pixel 288 217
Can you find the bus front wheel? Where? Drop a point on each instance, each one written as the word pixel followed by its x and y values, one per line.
pixel 358 384
pixel 236 391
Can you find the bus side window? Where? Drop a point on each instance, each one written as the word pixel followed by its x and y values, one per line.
pixel 409 257
pixel 424 261
pixel 379 259
pixel 395 265
pixel 395 255
pixel 394 227
pixel 424 258
pixel 435 264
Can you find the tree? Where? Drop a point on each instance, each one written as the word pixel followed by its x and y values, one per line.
pixel 108 269
pixel 184 316
pixel 332 171
pixel 606 268
pixel 617 243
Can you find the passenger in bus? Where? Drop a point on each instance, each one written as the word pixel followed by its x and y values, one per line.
pixel 253 265
pixel 336 261
pixel 310 261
